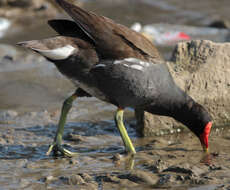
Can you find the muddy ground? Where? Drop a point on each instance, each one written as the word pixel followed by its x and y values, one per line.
pixel 162 162
pixel 31 95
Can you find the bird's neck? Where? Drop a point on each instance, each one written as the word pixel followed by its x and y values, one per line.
pixel 184 109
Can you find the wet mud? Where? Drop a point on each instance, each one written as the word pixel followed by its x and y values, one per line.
pixel 165 162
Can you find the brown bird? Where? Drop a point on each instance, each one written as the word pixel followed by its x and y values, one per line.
pixel 117 65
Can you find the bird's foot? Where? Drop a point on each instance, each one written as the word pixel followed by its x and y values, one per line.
pixel 57 148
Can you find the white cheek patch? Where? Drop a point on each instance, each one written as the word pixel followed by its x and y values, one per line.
pixel 58 53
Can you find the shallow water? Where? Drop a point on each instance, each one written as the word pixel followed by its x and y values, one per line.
pixel 168 162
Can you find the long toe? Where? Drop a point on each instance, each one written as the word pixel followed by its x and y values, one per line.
pixel 57 148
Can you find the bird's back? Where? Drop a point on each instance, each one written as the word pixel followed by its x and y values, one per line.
pixel 112 40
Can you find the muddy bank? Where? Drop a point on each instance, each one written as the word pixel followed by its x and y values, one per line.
pixel 163 162
pixel 201 68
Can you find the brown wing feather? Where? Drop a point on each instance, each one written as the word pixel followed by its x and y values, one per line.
pixel 112 40
pixel 68 28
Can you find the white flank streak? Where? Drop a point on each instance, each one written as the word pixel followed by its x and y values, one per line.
pixel 100 65
pixel 117 62
pixel 57 54
pixel 145 64
pixel 137 67
pixel 131 59
pixel 137 61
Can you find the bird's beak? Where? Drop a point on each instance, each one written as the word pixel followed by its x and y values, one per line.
pixel 204 136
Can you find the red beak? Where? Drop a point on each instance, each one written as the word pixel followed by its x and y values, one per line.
pixel 204 136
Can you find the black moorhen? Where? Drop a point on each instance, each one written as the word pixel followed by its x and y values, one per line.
pixel 117 65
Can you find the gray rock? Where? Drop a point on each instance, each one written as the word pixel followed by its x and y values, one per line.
pixel 201 68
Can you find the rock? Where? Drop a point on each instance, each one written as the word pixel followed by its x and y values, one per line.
pixel 158 166
pixel 201 68
pixel 74 137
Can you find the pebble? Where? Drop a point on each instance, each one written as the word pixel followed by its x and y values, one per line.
pixel 76 180
pixel 73 161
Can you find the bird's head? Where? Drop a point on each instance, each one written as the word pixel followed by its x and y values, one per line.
pixel 200 123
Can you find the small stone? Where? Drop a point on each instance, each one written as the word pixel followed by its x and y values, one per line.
pixel 159 166
pixel 47 179
pixel 180 178
pixel 76 180
pixel 116 157
pixel 73 161
pixel 213 167
pixel 74 137
pixel 171 156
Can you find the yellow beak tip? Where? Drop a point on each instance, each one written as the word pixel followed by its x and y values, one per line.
pixel 206 150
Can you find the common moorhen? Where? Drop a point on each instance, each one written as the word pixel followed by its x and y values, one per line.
pixel 117 65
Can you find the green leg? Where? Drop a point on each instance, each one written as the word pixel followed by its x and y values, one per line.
pixel 124 135
pixel 56 145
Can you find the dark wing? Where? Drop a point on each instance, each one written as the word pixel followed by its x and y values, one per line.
pixel 69 28
pixel 112 40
